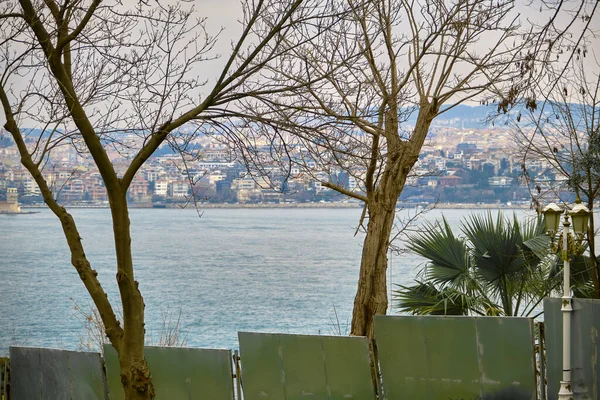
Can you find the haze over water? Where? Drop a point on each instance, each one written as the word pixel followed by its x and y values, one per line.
pixel 231 270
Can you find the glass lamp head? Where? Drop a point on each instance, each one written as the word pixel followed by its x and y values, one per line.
pixel 579 218
pixel 552 214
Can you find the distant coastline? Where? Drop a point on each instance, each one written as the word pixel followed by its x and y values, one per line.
pixel 359 205
pixel 307 205
pixel 18 212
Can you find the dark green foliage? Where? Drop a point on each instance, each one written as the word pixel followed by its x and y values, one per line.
pixel 498 266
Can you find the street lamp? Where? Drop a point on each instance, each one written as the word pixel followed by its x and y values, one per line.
pixel 579 219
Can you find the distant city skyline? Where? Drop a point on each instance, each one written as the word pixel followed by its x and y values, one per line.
pixel 456 164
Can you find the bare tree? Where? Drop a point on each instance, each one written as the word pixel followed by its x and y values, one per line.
pixel 103 76
pixel 359 81
pixel 563 36
pixel 555 110
pixel 561 137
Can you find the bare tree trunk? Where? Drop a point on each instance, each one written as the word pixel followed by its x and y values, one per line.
pixel 135 375
pixel 128 342
pixel 371 296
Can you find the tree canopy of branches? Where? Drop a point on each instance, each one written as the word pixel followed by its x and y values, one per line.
pixel 557 129
pixel 101 75
pixel 358 82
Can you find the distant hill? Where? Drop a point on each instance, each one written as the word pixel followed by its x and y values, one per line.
pixel 478 117
pixel 467 117
pixel 6 139
pixel 459 117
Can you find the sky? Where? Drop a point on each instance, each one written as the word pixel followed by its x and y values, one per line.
pixel 227 13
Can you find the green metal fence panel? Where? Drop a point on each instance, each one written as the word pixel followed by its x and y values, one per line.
pixel 407 358
pixel 262 366
pixel 87 380
pixel 294 367
pixel 56 374
pixel 303 367
pixel 179 373
pixel 455 358
pixel 348 367
pixel 506 356
pixel 585 347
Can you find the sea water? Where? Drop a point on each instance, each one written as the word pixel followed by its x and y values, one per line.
pixel 289 270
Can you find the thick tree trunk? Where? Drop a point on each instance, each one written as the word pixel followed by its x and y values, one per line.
pixel 371 295
pixel 135 375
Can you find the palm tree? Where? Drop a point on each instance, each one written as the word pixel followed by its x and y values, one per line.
pixel 498 267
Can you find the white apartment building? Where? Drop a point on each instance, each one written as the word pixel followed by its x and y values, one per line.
pixel 161 187
pixel 179 189
pixel 31 186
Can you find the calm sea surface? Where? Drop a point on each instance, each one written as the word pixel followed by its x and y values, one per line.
pixel 283 270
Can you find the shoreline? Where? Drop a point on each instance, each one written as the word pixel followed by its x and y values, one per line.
pixel 303 205
pixel 19 212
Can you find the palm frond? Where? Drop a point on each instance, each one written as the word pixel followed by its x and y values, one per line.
pixel 538 245
pixel 424 298
pixel 500 267
pixel 495 247
pixel 448 256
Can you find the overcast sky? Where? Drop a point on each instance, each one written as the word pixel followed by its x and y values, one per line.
pixel 227 13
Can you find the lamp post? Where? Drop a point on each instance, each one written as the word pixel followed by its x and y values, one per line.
pixel 579 220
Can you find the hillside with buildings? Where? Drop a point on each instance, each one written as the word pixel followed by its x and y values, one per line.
pixel 457 165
